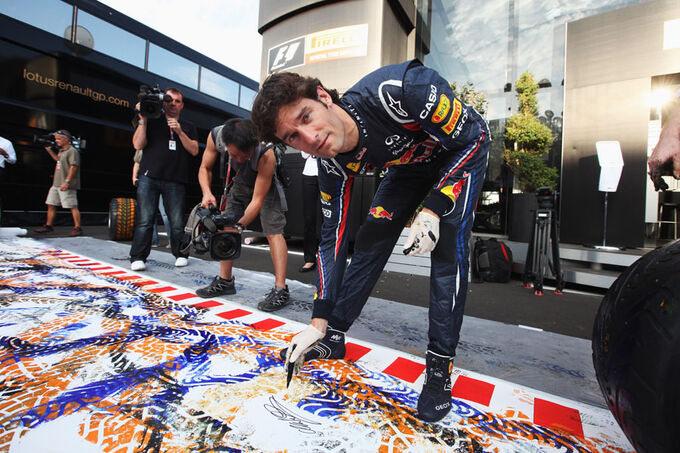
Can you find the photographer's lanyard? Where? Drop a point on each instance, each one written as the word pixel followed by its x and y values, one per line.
pixel 172 144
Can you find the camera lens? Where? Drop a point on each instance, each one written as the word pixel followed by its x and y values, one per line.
pixel 226 246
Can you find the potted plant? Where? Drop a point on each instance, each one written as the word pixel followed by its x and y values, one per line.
pixel 527 143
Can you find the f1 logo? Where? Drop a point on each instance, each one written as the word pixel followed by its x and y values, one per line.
pixel 287 55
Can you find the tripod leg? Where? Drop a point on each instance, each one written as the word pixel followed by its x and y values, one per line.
pixel 557 265
pixel 528 262
pixel 536 255
pixel 541 258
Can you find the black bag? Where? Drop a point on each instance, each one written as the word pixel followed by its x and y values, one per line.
pixel 281 173
pixel 491 261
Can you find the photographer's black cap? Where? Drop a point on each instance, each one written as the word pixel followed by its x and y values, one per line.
pixel 64 132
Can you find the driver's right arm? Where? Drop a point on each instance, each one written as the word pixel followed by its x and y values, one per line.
pixel 205 172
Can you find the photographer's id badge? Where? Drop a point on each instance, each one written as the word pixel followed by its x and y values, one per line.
pixel 172 145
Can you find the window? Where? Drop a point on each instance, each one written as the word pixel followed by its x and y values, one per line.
pixel 219 86
pixel 172 66
pixel 53 17
pixel 111 40
pixel 247 98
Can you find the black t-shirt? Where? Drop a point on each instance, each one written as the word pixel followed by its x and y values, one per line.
pixel 159 161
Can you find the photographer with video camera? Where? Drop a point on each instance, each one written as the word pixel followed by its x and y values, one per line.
pixel 65 182
pixel 254 190
pixel 168 142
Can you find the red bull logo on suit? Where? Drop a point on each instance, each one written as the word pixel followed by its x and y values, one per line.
pixel 380 213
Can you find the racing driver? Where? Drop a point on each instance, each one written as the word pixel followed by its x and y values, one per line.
pixel 406 119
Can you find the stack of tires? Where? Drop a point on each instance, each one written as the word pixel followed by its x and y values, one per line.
pixel 636 350
pixel 122 219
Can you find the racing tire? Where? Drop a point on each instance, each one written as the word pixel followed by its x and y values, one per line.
pixel 122 219
pixel 636 350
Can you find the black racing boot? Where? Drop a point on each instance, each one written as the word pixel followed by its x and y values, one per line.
pixel 435 398
pixel 331 346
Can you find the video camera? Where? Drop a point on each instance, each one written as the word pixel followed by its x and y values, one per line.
pixel 151 101
pixel 48 140
pixel 222 245
pixel 545 197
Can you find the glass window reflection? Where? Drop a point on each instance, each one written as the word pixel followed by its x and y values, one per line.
pixel 219 86
pixel 48 15
pixel 492 43
pixel 247 98
pixel 111 40
pixel 172 66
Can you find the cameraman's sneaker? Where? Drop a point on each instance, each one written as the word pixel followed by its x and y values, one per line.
pixel 331 346
pixel 218 287
pixel 44 229
pixel 435 398
pixel 181 261
pixel 138 265
pixel 275 300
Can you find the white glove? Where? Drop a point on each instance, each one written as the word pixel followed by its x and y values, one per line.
pixel 302 342
pixel 424 234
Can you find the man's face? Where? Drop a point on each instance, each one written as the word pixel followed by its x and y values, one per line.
pixel 239 155
pixel 62 140
pixel 175 106
pixel 313 126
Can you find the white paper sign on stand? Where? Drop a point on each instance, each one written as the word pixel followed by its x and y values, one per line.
pixel 611 164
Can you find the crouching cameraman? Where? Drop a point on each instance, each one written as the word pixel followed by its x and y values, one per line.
pixel 255 190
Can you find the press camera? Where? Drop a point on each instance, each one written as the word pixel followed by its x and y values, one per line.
pixel 222 245
pixel 546 198
pixel 48 140
pixel 151 101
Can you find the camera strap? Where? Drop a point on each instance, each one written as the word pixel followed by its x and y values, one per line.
pixel 227 185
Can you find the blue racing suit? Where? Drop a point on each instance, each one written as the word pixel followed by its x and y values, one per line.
pixel 435 150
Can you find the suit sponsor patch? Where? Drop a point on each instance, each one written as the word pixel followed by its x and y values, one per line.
pixel 354 166
pixel 453 191
pixel 457 109
pixel 389 93
pixel 442 109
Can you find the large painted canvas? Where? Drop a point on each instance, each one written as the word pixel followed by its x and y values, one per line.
pixel 94 358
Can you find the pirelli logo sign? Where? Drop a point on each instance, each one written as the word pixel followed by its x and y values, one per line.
pixel 451 124
pixel 332 44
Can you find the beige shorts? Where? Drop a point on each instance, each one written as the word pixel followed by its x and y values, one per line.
pixel 272 218
pixel 65 199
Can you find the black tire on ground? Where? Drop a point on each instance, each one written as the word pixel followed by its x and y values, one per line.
pixel 122 219
pixel 636 350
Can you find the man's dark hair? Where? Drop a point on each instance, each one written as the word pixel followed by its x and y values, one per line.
pixel 239 132
pixel 176 91
pixel 278 90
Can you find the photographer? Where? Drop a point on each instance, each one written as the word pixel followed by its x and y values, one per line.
pixel 65 182
pixel 168 142
pixel 254 190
